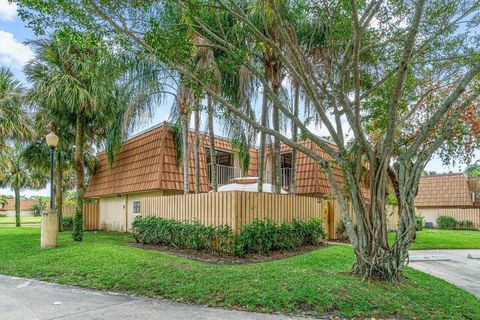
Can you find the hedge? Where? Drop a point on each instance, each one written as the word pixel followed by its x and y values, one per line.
pixel 447 222
pixel 261 236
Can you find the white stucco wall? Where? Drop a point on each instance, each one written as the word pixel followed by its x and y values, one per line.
pixel 429 215
pixel 116 212
pixel 112 213
pixel 11 213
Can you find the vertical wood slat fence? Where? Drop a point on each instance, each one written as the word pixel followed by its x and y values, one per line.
pixel 234 208
pixel 463 214
pixel 91 215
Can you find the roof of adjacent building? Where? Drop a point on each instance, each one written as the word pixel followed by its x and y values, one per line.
pixel 148 162
pixel 25 205
pixel 444 190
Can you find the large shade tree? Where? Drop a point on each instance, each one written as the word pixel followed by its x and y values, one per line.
pixel 378 77
pixel 399 74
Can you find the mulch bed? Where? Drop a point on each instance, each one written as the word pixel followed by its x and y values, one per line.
pixel 225 258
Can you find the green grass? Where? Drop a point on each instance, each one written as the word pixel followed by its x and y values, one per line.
pixel 444 239
pixel 315 283
pixel 23 220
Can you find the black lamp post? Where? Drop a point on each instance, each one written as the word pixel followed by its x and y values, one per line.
pixel 52 142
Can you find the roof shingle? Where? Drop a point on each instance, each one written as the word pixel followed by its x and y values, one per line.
pixel 445 190
pixel 148 162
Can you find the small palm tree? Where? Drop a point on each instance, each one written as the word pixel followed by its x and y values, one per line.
pixel 16 174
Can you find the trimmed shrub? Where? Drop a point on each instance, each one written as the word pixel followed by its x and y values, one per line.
pixel 264 236
pixel 446 222
pixel 259 237
pixel 3 215
pixel 67 223
pixel 169 232
pixel 311 231
pixel 419 221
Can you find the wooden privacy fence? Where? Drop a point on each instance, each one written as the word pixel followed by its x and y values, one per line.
pixel 463 214
pixel 235 208
pixel 91 215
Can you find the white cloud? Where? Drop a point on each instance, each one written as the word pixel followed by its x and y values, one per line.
pixel 13 52
pixel 8 11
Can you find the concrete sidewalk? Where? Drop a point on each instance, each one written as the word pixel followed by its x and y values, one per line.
pixel 31 299
pixel 453 266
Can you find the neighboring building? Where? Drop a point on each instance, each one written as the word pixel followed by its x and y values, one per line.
pixel 147 166
pixel 26 208
pixel 439 194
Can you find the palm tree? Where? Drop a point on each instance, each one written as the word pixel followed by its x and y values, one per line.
pixel 273 73
pixel 16 174
pixel 205 61
pixel 13 118
pixel 75 74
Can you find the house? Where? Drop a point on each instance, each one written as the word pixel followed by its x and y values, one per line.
pixel 26 207
pixel 147 166
pixel 447 194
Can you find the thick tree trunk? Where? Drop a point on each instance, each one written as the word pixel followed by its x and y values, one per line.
pixel 197 146
pixel 17 207
pixel 213 152
pixel 77 234
pixel 59 193
pixel 186 154
pixel 375 259
pixel 293 173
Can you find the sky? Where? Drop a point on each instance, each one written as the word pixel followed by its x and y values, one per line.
pixel 15 53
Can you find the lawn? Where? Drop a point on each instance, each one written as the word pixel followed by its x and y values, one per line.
pixel 23 220
pixel 445 239
pixel 315 283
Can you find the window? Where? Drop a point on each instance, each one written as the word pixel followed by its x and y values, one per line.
pixel 223 158
pixel 136 206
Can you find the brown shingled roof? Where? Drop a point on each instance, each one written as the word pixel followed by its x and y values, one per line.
pixel 25 205
pixel 444 190
pixel 310 178
pixel 147 162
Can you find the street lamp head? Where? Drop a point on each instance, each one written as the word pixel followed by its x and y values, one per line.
pixel 52 140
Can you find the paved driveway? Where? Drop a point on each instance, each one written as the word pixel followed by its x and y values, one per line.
pixel 30 299
pixel 453 266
